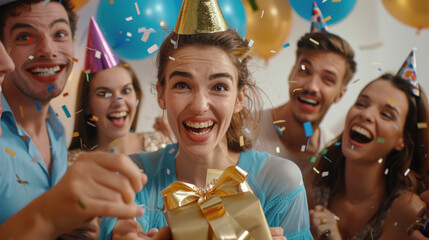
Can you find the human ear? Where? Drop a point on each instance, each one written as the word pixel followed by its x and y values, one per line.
pixel 240 100
pixel 341 94
pixel 161 98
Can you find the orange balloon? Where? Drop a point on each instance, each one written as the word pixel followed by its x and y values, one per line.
pixel 78 4
pixel 411 12
pixel 268 26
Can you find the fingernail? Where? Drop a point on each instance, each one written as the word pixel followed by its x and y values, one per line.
pixel 140 211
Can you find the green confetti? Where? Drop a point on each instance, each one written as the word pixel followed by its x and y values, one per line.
pixel 380 140
pixel 313 159
pixel 81 204
pixel 324 151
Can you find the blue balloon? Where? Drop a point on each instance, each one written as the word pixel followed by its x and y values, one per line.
pixel 233 12
pixel 126 28
pixel 337 10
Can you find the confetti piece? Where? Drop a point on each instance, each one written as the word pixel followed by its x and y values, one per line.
pixel 303 67
pixel 308 129
pixel 337 144
pixel 406 172
pixel 313 159
pixel 31 57
pixel 38 107
pixel 277 149
pixel 50 88
pixel 380 160
pixel 286 45
pixel 291 81
pixel 146 33
pixel 168 171
pixel 395 224
pixel 45 2
pixel 396 126
pixel 308 141
pixel 278 130
pixel 47 115
pixel 172 58
pixel 65 94
pixel 172 150
pixel 297 89
pixel 317 171
pixel 262 15
pixel 336 0
pixel 376 63
pixel 326 19
pixel 324 1
pixel 353 147
pixel 279 121
pixel 119 98
pixel 75 134
pixel 79 111
pixel 422 125
pixel 324 151
pixel 386 171
pixel 355 81
pixel 129 34
pixel 381 140
pixel 392 102
pixel 23 184
pixel 272 51
pixel 22 111
pixel 152 49
pixel 112 150
pixel 379 69
pixel 162 23
pixel 81 204
pixel 314 41
pixel 75 60
pixel 337 218
pixel 371 46
pixel 10 152
pixel 254 5
pixel 137 8
pixel 302 148
pixel 129 18
pixel 251 42
pixel 66 111
pixel 144 150
pixel 325 174
pixel 98 54
pixel 241 141
pixel 328 159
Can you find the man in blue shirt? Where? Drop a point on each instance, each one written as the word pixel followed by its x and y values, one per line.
pixel 38 35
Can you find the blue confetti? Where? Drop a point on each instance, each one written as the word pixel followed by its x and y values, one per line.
pixel 278 129
pixel 379 69
pixel 66 111
pixel 308 141
pixel 112 150
pixel 286 45
pixel 328 159
pixel 50 88
pixel 38 107
pixel 119 98
pixel 337 144
pixel 308 129
pixel 144 150
pixel 131 131
pixel 395 126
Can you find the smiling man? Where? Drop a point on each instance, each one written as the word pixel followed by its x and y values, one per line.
pixel 324 65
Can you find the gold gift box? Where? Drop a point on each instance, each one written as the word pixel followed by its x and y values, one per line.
pixel 226 209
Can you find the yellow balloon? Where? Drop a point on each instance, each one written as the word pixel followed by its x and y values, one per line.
pixel 268 26
pixel 411 12
pixel 78 4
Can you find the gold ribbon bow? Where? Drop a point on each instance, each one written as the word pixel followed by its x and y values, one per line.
pixel 231 182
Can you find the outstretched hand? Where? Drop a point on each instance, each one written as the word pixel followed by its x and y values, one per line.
pixel 323 224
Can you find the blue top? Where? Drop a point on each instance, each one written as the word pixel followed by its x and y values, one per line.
pixel 277 183
pixel 27 163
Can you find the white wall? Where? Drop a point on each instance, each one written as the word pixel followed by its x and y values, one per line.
pixel 368 24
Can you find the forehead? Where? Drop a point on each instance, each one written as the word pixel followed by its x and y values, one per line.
pixel 112 77
pixel 386 93
pixel 39 15
pixel 201 56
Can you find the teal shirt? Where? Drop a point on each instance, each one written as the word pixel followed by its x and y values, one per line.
pixel 277 183
pixel 27 163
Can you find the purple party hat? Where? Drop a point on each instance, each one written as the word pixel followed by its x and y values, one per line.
pixel 317 24
pixel 99 55
pixel 408 71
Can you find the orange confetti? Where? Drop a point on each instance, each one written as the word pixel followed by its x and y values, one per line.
pixel 10 152
pixel 326 19
pixel 75 134
pixel 75 60
pixel 22 111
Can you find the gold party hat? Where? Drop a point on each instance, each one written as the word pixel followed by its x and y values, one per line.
pixel 200 16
